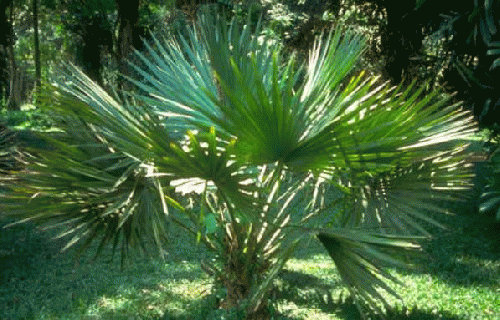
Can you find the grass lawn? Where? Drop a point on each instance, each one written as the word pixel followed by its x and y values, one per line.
pixel 459 279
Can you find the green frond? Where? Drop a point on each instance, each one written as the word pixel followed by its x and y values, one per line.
pixel 400 200
pixel 96 194
pixel 360 257
pixel 205 156
pixel 179 82
pixel 279 149
pixel 97 177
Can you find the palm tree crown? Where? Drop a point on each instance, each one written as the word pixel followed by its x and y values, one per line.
pixel 283 152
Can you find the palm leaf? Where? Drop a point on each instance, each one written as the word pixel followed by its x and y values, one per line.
pixel 101 174
pixel 390 152
pixel 360 258
pixel 98 174
pixel 224 105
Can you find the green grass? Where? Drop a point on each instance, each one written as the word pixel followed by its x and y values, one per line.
pixel 459 279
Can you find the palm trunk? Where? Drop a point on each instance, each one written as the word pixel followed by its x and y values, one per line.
pixel 242 272
pixel 238 285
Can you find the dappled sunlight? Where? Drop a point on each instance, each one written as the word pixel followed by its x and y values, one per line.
pixel 169 296
pixel 308 288
pixel 318 265
pixel 437 296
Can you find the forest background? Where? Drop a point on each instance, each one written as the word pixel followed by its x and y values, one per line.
pixel 454 47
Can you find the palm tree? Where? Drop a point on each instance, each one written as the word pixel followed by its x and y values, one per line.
pixel 281 152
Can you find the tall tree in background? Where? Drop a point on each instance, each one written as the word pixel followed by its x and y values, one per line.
pixel 128 35
pixel 399 28
pixel 100 33
pixel 472 50
pixel 401 39
pixel 36 40
pixel 89 21
pixel 5 36
pixel 20 20
pixel 455 45
pixel 15 88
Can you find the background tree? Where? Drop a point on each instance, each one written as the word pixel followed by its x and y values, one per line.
pixel 90 22
pixel 36 40
pixel 5 40
pixel 108 29
pixel 454 44
pixel 128 34
pixel 8 41
pixel 473 55
pixel 20 50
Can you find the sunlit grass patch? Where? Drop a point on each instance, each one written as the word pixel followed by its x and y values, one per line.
pixel 151 303
pixel 460 279
pixel 438 296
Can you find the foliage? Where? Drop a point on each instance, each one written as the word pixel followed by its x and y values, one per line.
pixel 282 152
pixel 490 199
pixel 454 45
pixel 28 118
pixel 470 51
pixel 7 151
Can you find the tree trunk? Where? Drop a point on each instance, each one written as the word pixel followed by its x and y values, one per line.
pixel 4 73
pixel 6 41
pixel 15 81
pixel 128 37
pixel 36 40
pixel 96 35
pixel 238 283
pixel 401 40
pixel 243 271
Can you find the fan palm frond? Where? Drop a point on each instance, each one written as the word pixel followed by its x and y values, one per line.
pixel 290 150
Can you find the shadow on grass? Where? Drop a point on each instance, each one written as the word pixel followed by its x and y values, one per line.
pixel 38 281
pixel 467 255
pixel 22 247
pixel 320 296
